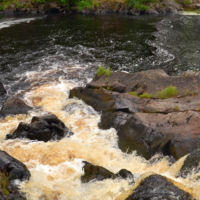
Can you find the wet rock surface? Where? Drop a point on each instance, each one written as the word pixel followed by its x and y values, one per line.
pixel 191 164
pixel 98 173
pixel 44 128
pixel 3 93
pixel 11 169
pixel 15 106
pixel 2 89
pixel 156 187
pixel 148 125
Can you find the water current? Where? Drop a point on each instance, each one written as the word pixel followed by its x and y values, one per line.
pixel 42 58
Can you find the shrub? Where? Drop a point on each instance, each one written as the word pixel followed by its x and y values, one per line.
pixel 84 4
pixel 139 4
pixel 146 95
pixel 1 7
pixel 102 70
pixel 168 92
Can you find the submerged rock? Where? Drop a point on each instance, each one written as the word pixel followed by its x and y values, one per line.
pixel 15 106
pixel 11 169
pixel 148 125
pixel 155 187
pixel 98 173
pixel 44 128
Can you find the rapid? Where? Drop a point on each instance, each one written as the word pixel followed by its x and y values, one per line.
pixel 42 58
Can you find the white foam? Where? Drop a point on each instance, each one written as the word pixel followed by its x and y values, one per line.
pixel 12 21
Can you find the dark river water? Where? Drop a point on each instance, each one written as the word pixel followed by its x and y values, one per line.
pixel 42 58
pixel 170 42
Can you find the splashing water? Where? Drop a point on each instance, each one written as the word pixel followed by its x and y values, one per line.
pixel 47 76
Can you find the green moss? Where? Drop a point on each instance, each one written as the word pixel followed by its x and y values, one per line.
pixel 3 184
pixel 146 95
pixel 176 108
pixel 168 92
pixel 133 93
pixel 102 70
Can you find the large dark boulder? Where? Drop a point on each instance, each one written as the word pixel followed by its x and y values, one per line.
pixel 148 125
pixel 15 106
pixel 11 169
pixel 191 164
pixel 98 173
pixel 44 128
pixel 156 187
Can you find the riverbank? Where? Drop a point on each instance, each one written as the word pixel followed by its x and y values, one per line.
pixel 91 7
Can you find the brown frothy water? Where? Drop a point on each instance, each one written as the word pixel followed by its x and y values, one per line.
pixel 56 167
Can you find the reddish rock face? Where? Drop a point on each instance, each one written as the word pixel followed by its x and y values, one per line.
pixel 169 126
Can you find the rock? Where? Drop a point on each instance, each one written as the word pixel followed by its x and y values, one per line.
pixel 94 172
pixel 125 174
pixel 2 89
pixel 191 164
pixel 44 128
pixel 11 169
pixel 98 173
pixel 148 125
pixel 156 187
pixel 15 106
pixel 118 87
pixel 10 9
pixel 51 7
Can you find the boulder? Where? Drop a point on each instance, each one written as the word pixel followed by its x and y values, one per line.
pixel 11 169
pixel 44 128
pixel 125 174
pixel 155 187
pixel 191 164
pixel 98 173
pixel 15 106
pixel 94 172
pixel 148 125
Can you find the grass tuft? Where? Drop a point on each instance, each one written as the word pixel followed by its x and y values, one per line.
pixel 133 93
pixel 102 70
pixel 146 95
pixel 168 92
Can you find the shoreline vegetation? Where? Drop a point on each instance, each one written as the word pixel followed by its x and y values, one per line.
pixel 131 7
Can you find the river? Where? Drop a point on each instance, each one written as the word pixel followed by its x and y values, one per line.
pixel 43 57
